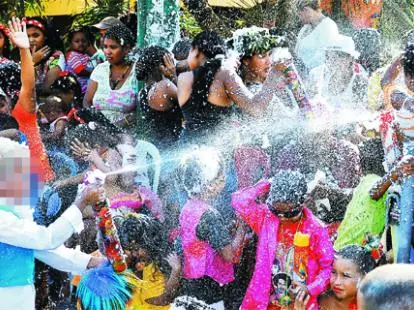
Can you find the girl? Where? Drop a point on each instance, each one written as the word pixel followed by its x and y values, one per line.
pixel 46 47
pixel 207 93
pixel 113 86
pixel 68 89
pixel 350 266
pixel 143 239
pixel 78 61
pixel 158 100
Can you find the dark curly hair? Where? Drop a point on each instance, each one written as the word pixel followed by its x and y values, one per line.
pixel 148 234
pixel 360 256
pixel 210 44
pixel 149 61
pixel 65 84
pixel 408 59
pixel 372 156
pixel 85 30
pixel 122 35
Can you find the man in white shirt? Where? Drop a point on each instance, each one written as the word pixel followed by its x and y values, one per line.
pixel 21 239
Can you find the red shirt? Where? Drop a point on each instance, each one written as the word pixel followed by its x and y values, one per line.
pixel 38 157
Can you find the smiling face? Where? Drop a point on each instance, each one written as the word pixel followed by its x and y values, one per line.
pixel 344 278
pixel 114 52
pixel 37 38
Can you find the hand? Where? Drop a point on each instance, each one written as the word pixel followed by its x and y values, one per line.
pixel 296 288
pixel 301 300
pixel 168 68
pixel 41 54
pixel 80 149
pixel 90 196
pixel 175 262
pixel 18 34
pixel 96 262
pixel 93 156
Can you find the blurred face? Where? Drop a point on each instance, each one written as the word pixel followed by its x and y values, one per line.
pixel 102 33
pixel 409 82
pixel 37 38
pixel 114 52
pixel 15 180
pixel 259 65
pixel 337 61
pixel 79 42
pixel 67 97
pixel 137 257
pixel 193 59
pixel 305 15
pixel 344 278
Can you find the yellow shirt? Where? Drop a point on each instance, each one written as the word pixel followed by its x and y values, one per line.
pixel 152 285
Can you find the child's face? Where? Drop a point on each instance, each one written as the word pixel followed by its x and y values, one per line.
pixel 344 278
pixel 79 42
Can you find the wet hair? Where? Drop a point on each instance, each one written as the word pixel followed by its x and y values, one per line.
pixel 313 4
pixel 288 187
pixel 210 44
pixel 10 81
pixel 53 104
pixel 8 122
pixel 149 61
pixel 408 59
pixel 148 234
pixel 65 84
pixel 388 287
pixel 52 38
pixel 181 49
pixel 372 156
pixel 360 256
pixel 93 115
pixel 91 133
pixel 6 46
pixel 122 35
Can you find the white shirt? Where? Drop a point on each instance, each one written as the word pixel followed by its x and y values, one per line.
pixel 24 232
pixel 311 44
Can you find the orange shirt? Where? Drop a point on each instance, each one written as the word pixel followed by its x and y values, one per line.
pixel 38 157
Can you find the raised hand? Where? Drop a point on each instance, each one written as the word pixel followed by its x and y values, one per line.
pixel 168 68
pixel 39 55
pixel 18 34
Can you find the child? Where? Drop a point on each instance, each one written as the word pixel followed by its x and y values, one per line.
pixel 55 112
pixel 67 87
pixel 279 223
pixel 146 246
pixel 78 61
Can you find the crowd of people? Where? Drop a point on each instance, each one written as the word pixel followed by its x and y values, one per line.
pixel 240 173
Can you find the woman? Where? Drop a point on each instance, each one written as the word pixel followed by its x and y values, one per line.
pixel 45 46
pixel 113 86
pixel 318 31
pixel 350 266
pixel 4 43
pixel 206 94
pixel 158 100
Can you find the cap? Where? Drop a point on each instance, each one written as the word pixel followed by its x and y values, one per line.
pixel 344 44
pixel 107 23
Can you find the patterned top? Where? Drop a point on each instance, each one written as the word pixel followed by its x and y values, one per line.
pixel 114 103
pixel 76 63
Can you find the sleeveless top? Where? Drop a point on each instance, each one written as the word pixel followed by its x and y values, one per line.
pixel 160 127
pixel 17 264
pixel 200 118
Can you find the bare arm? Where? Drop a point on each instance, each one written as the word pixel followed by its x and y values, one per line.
pixel 90 93
pixel 60 128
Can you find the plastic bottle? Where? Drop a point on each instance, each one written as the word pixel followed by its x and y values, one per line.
pixel 300 257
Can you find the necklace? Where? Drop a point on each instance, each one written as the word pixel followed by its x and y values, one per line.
pixel 114 82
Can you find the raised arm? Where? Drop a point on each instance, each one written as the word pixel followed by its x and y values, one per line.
pixel 19 38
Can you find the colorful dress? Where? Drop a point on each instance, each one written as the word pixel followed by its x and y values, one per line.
pixel 115 104
pixel 57 59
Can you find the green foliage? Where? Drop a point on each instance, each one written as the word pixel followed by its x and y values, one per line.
pixel 103 8
pixel 188 24
pixel 9 8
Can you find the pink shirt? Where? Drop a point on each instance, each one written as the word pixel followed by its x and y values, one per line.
pixel 265 224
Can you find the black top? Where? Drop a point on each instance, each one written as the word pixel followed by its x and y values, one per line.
pixel 200 117
pixel 162 128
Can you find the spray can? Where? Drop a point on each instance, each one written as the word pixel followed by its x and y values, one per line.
pixel 284 63
pixel 300 257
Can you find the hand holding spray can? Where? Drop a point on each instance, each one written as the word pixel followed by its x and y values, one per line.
pixel 282 59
